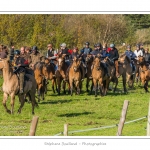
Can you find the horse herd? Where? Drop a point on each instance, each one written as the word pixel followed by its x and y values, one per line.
pixel 45 71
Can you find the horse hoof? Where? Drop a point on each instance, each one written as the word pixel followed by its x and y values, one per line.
pixel 33 113
pixel 8 111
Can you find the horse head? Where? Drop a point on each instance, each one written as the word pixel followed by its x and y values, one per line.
pixel 123 59
pixel 5 63
pixel 97 63
pixel 76 64
pixel 140 60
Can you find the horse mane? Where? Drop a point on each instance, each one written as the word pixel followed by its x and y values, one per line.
pixel 128 59
pixel 122 55
pixel 39 66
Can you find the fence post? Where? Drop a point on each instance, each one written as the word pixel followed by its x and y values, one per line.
pixel 148 122
pixel 33 125
pixel 65 129
pixel 123 117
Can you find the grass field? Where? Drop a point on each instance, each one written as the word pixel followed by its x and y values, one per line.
pixel 80 112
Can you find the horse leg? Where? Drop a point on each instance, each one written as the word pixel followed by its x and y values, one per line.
pixel 5 97
pixel 95 86
pixel 116 83
pixel 12 102
pixel 21 97
pixel 77 87
pixel 91 87
pixel 33 101
pixel 87 84
pixel 64 87
pixel 124 83
pixel 59 85
pixel 53 83
pixel 101 88
pixel 71 87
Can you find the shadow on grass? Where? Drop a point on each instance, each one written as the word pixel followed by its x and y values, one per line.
pixel 56 102
pixel 75 114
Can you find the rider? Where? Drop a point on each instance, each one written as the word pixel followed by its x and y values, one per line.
pixel 64 51
pixel 113 56
pixel 129 53
pixel 99 47
pixel 51 54
pixel 138 52
pixel 20 64
pixel 35 56
pixel 142 48
pixel 147 55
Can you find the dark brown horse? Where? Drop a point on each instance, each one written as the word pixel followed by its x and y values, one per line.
pixel 49 73
pixel 88 62
pixel 61 73
pixel 111 72
pixel 75 76
pixel 125 70
pixel 144 72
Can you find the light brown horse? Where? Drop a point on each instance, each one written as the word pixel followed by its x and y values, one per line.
pixel 40 80
pixel 49 74
pixel 125 70
pixel 98 74
pixel 75 76
pixel 11 87
pixel 144 72
pixel 61 73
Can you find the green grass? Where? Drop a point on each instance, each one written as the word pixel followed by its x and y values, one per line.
pixel 80 112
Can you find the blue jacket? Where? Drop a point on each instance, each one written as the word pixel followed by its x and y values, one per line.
pixel 130 54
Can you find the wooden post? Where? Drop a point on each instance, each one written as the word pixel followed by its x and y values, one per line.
pixel 65 129
pixel 123 117
pixel 148 122
pixel 33 126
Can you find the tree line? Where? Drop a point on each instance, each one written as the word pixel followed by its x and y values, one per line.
pixel 73 29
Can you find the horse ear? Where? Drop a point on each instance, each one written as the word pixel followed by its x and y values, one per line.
pixel 63 56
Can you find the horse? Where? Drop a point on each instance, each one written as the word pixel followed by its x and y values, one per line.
pixel 144 72
pixel 49 74
pixel 75 76
pixel 11 87
pixel 125 69
pixel 61 73
pixel 88 62
pixel 40 80
pixel 111 72
pixel 99 78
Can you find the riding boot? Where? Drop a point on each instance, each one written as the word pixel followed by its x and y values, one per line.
pixel 21 78
pixel 133 69
pixel 106 69
pixel 117 69
pixel 82 72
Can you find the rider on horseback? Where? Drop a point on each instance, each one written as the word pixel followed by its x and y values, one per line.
pixel 20 64
pixel 129 53
pixel 113 56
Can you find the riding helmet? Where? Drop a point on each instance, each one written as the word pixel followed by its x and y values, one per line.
pixel 112 45
pixel 16 52
pixel 34 48
pixel 87 43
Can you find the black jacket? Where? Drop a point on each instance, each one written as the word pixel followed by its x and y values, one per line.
pixel 147 57
pixel 113 54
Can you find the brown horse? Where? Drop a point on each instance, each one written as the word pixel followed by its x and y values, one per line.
pixel 99 79
pixel 11 87
pixel 111 72
pixel 61 73
pixel 144 72
pixel 88 62
pixel 75 76
pixel 49 74
pixel 125 70
pixel 40 80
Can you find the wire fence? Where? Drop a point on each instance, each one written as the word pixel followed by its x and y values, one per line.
pixel 104 127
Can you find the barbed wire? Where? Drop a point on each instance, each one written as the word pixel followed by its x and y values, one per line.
pixel 104 127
